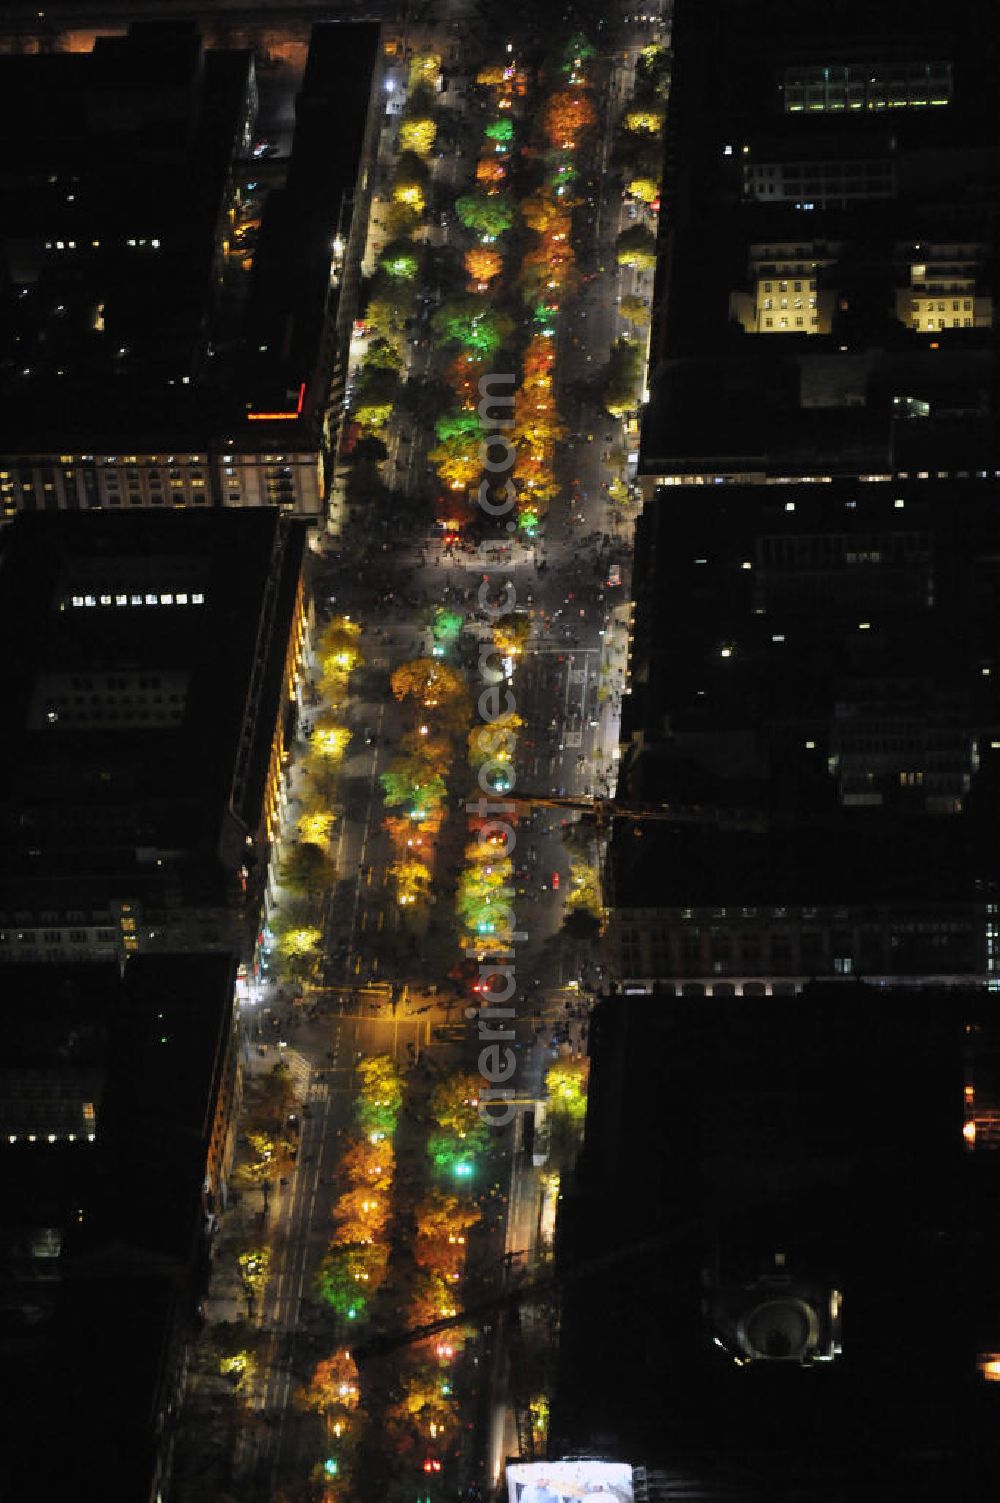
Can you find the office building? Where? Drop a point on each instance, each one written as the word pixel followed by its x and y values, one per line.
pixel 148 713
pixel 176 311
pixel 116 1096
pixel 777 1249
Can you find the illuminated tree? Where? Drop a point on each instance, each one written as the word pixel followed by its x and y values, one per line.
pixel 349 1275
pixel 428 1404
pixel 254 1265
pixel 432 1299
pixel 496 740
pixel 585 888
pixel 413 782
pixel 383 318
pixel 361 1215
pixel 491 76
pixel 543 213
pixel 490 170
pixel 645 188
pixel 381 1081
pixel 338 643
pixel 333 1392
pixel 463 375
pixel 441 1215
pixel 567 115
pixel 454 1103
pixel 297 940
pixel 425 70
pixel 371 1164
pixel 457 462
pixel 306 869
pixel 636 247
pixel 400 259
pixel 272 1157
pixel 634 308
pixel 315 825
pixel 409 180
pixel 470 322
pixel 329 740
pixel 566 1084
pixel 488 214
pixel 618 492
pixel 460 422
pixel 417 135
pixel 642 121
pixel 237 1344
pixel 413 881
pixel 500 130
pixel 483 265
pixel 428 682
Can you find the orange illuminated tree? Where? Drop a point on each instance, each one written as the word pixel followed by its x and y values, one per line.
pixel 567 115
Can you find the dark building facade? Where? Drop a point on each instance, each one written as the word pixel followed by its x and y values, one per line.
pixel 812 683
pixel 826 289
pixel 776 1250
pixel 176 312
pixel 116 1095
pixel 148 713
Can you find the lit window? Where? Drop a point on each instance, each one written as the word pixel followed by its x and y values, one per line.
pixel 166 600
pixel 197 598
pixel 121 600
pixel 152 599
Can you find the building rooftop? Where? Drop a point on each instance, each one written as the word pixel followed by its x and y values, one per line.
pixel 826 174
pixel 142 705
pixel 128 317
pixel 749 1163
pixel 103 1237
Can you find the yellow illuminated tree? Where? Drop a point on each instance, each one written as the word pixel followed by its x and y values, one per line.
pixel 642 121
pixel 566 1084
pixel 428 683
pixel 454 1103
pixel 644 188
pixel 491 76
pixel 330 740
pixel 496 740
pixel 255 1266
pixel 425 70
pixel 417 135
pixel 634 308
pixel 315 825
pixel 412 879
pixel 584 889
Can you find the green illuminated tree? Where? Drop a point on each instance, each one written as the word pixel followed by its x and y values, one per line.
pixel 472 323
pixel 486 213
pixel 400 259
